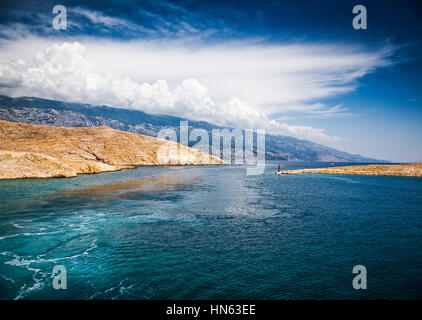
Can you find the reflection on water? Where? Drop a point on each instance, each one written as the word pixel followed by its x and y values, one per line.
pixel 97 195
pixel 120 190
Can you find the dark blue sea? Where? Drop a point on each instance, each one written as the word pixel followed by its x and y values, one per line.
pixel 211 232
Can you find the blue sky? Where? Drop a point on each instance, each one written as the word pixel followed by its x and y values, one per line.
pixel 291 67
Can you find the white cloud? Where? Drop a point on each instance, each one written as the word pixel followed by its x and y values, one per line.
pixel 308 133
pixel 269 77
pixel 214 83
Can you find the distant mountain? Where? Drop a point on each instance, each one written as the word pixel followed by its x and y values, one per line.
pixel 50 112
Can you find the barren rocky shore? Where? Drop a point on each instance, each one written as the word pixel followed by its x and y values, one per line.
pixel 404 170
pixel 39 151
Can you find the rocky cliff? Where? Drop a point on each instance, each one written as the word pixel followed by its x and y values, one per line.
pixel 39 151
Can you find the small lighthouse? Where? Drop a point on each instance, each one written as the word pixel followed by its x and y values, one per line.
pixel 278 171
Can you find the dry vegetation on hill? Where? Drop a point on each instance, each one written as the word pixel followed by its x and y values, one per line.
pixel 38 151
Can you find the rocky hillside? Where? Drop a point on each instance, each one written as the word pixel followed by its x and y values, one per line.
pixel 38 151
pixel 42 111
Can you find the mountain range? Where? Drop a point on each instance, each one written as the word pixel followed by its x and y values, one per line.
pixel 32 110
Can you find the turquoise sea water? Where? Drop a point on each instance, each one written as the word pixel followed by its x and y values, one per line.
pixel 211 233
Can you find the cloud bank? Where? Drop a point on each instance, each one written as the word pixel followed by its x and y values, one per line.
pixel 235 84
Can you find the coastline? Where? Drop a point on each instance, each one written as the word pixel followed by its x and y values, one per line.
pixel 397 170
